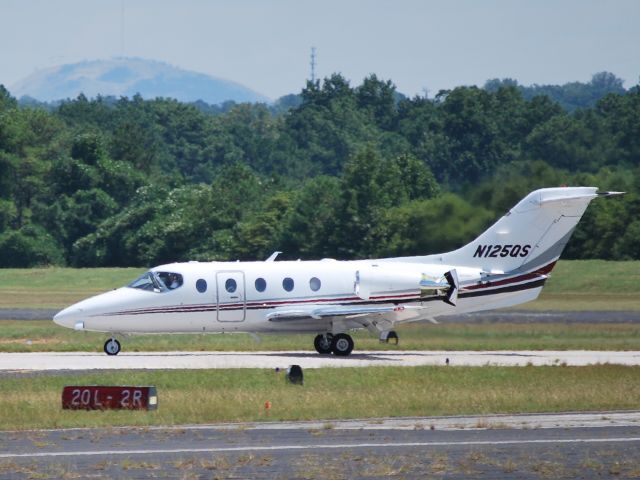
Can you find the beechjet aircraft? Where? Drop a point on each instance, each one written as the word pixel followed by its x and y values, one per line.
pixel 506 265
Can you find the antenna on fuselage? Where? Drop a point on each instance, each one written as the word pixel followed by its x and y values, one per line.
pixel 273 256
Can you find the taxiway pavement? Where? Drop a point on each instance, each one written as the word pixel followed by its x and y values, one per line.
pixel 523 446
pixel 47 361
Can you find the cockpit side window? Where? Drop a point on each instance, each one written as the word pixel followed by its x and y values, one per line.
pixel 148 281
pixel 157 281
pixel 171 280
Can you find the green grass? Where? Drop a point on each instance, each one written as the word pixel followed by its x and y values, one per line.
pixel 207 396
pixel 58 287
pixel 43 335
pixel 581 285
pixel 574 285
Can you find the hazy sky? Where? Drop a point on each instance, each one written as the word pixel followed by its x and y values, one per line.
pixel 265 45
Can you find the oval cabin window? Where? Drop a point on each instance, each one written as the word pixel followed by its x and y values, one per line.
pixel 315 284
pixel 201 285
pixel 287 284
pixel 230 285
pixel 261 284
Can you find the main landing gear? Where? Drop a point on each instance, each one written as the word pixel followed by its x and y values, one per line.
pixel 340 344
pixel 112 347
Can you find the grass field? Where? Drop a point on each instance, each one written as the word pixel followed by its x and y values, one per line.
pixel 58 287
pixel 574 285
pixel 207 396
pixel 581 285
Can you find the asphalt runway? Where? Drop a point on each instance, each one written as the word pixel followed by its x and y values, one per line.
pixel 86 361
pixel 516 446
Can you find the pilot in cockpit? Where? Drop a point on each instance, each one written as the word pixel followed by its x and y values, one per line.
pixel 169 280
pixel 173 281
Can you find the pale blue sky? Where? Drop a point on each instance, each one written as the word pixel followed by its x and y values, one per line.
pixel 265 45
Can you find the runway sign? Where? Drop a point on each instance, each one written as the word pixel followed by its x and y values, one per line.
pixel 109 398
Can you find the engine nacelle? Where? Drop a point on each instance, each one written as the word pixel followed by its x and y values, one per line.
pixel 383 278
pixel 379 279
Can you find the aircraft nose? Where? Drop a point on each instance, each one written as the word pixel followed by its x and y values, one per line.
pixel 68 317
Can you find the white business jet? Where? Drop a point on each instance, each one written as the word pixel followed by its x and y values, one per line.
pixel 507 265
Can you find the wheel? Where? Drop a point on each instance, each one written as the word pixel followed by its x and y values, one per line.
pixel 342 344
pixel 323 343
pixel 112 347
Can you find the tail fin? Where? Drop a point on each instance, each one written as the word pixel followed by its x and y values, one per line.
pixel 530 237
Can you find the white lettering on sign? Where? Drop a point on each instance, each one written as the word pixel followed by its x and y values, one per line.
pixel 137 398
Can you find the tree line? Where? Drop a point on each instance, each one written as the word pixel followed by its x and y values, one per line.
pixel 337 171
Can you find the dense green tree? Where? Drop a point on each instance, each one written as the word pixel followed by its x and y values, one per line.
pixel 621 118
pixel 328 127
pixel 28 247
pixel 562 141
pixel 474 146
pixel 367 188
pixel 7 102
pixel 570 96
pixel 311 219
pixel 253 132
pixel 8 214
pixel 370 185
pixel 378 99
pixel 422 227
pixel 337 171
pixel 259 235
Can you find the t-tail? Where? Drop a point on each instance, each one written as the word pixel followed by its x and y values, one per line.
pixel 509 263
pixel 528 238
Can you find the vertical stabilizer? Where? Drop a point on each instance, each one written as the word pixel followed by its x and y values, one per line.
pixel 530 237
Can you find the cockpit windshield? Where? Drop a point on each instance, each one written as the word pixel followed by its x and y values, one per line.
pixel 157 281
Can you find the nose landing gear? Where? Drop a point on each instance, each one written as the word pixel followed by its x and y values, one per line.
pixel 112 347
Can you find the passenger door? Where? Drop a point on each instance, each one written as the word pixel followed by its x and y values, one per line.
pixel 231 296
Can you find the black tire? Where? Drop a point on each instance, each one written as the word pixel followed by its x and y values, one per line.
pixel 112 347
pixel 342 345
pixel 323 344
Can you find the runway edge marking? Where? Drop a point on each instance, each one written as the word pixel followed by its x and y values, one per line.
pixel 317 446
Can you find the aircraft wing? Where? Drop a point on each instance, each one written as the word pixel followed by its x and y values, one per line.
pixel 318 312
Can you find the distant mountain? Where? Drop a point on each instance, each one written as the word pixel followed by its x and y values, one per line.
pixel 128 76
